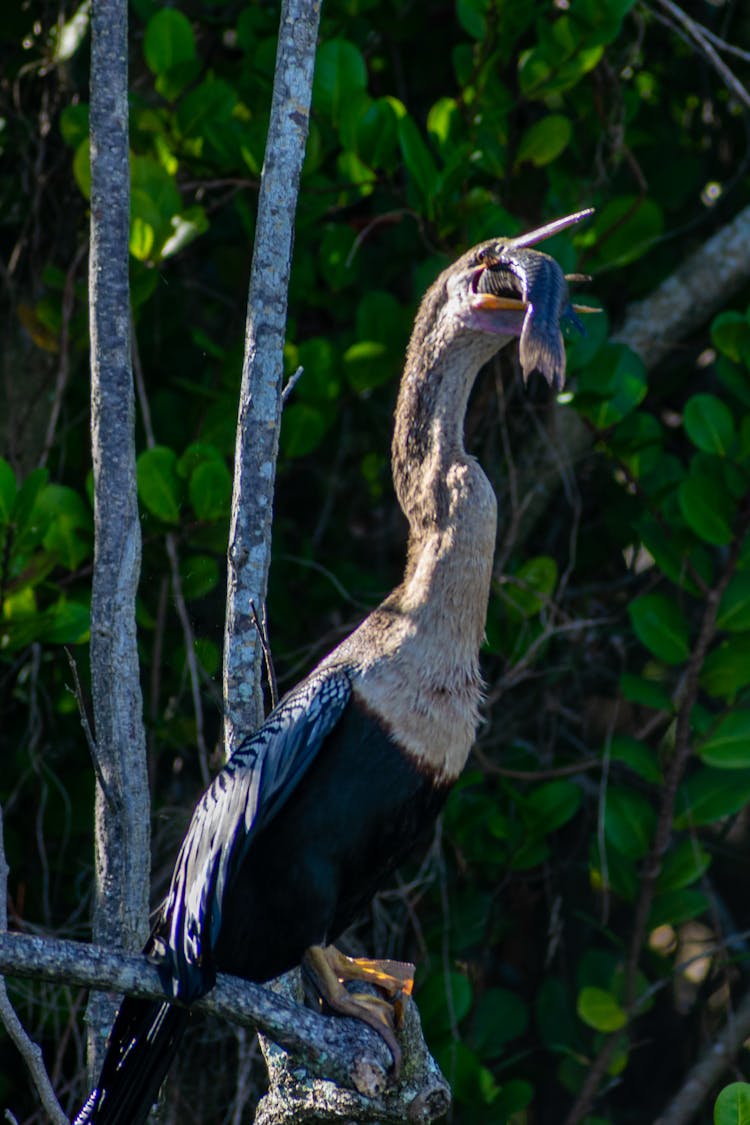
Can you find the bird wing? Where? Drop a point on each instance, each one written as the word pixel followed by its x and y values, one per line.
pixel 248 792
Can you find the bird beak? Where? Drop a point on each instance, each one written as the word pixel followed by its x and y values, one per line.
pixel 549 229
pixel 503 316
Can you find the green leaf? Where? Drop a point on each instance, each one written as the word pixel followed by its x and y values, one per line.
pixel 613 385
pixel 7 490
pixel 472 15
pixel 377 134
pixel 544 140
pixel 732 1106
pixel 168 41
pixel 421 167
pixel 340 74
pixel 709 795
pixel 629 821
pixel 303 427
pixel 472 1084
pixel 200 575
pixel 639 689
pixel 70 525
pixel 730 333
pixel 707 510
pixel 337 268
pixel 637 756
pixel 600 1010
pixel 726 670
pixel 443 998
pixel 673 908
pixel 530 588
pixel 624 230
pixel 660 625
pixel 74 123
pixel 500 1016
pixel 552 804
pixel 66 624
pixel 709 425
pixel 210 490
pixel 196 454
pixel 158 483
pixel 367 364
pixel 734 610
pixel 683 865
pixel 728 745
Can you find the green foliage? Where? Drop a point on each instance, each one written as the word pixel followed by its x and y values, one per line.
pixel 733 1105
pixel 421 144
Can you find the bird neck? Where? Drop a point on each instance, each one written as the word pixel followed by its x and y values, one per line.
pixel 447 499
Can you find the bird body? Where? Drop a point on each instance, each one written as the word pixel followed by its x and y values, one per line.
pixel 314 810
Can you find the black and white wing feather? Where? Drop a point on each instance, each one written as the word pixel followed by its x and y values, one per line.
pixel 248 792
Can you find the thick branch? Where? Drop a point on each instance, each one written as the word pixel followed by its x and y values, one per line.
pixel 260 393
pixel 346 1051
pixel 122 819
pixel 689 297
pixel 688 1101
pixel 684 301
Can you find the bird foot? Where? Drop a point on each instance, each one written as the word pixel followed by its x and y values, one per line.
pixel 329 970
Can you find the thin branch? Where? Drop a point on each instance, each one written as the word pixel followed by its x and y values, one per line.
pixel 291 383
pixel 170 543
pixel 77 693
pixel 30 1052
pixel 698 34
pixel 267 657
pixel 63 369
pixel 260 393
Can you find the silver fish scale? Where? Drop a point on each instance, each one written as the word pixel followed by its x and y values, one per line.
pixel 538 280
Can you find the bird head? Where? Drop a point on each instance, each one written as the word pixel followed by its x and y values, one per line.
pixel 503 288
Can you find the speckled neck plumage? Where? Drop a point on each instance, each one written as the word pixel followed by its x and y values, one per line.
pixel 416 657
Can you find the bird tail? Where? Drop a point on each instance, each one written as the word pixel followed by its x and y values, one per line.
pixel 142 1044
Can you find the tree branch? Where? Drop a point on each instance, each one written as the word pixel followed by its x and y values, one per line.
pixel 346 1051
pixel 29 1051
pixel 122 826
pixel 260 393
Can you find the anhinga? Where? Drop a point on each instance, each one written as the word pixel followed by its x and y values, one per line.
pixel 315 809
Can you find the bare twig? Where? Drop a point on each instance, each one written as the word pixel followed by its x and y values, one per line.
pixel 77 693
pixel 63 368
pixel 170 543
pixel 290 384
pixel 29 1051
pixel 697 33
pixel 267 657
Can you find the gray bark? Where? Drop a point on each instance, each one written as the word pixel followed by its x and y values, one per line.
pixel 260 393
pixel 122 810
pixel 346 1051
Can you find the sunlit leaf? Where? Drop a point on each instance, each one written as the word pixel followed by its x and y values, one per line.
pixel 544 140
pixel 600 1010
